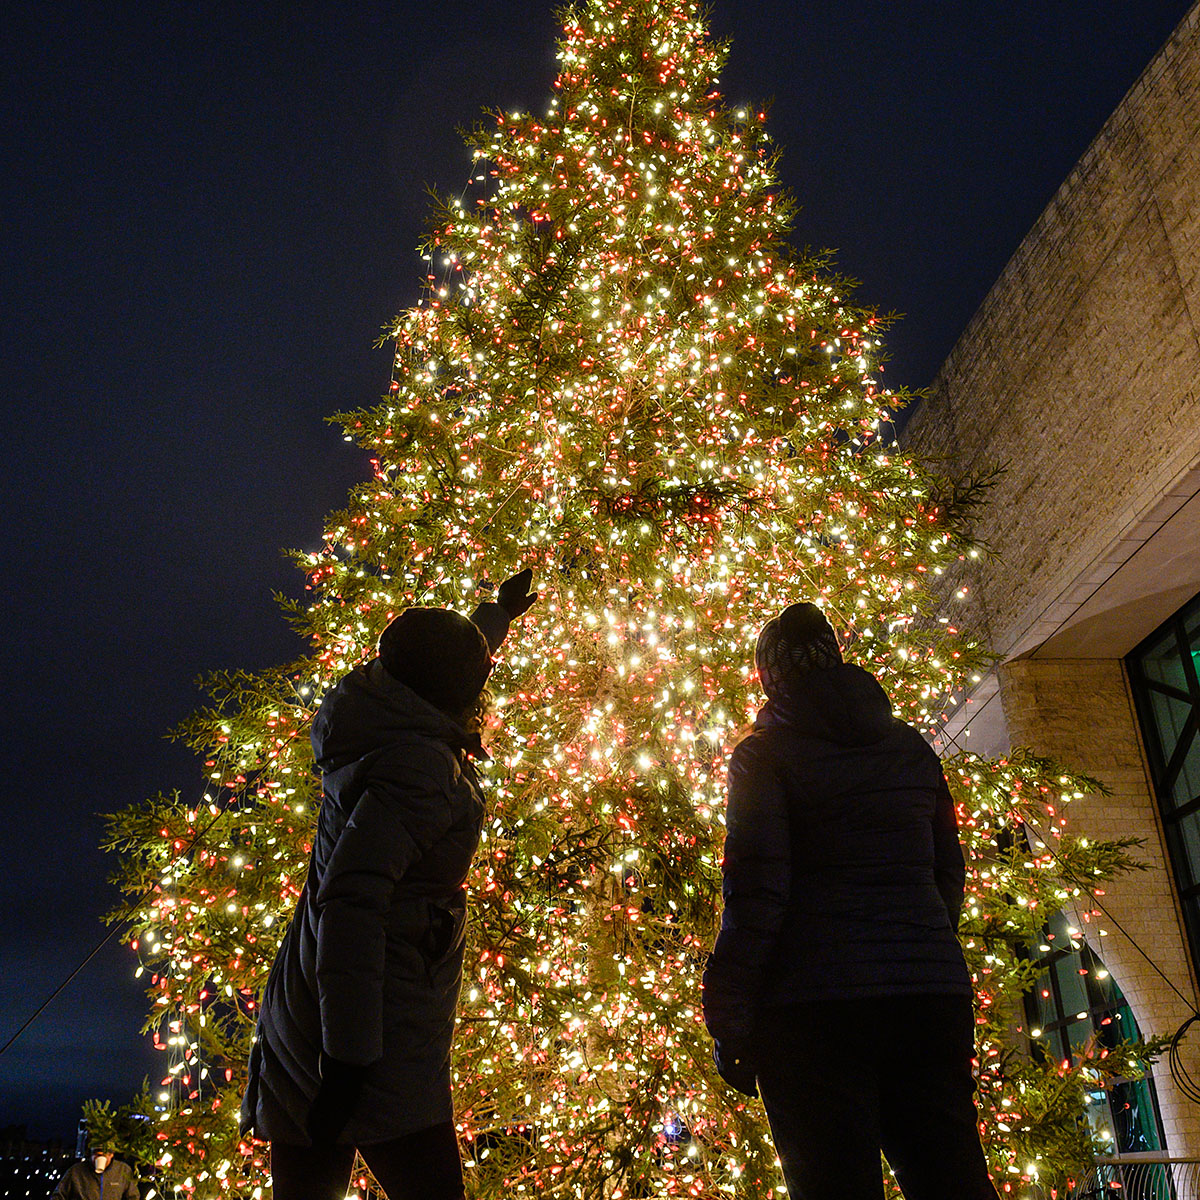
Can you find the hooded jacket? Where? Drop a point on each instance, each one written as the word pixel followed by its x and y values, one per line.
pixel 371 966
pixel 843 874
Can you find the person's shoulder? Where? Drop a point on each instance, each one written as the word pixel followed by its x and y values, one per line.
pixel 918 741
pixel 908 741
pixel 747 747
pixel 415 756
pixel 69 1183
pixel 757 751
pixel 909 735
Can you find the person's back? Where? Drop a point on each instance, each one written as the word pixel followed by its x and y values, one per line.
pixel 358 1015
pixel 873 866
pixel 837 986
pixel 396 788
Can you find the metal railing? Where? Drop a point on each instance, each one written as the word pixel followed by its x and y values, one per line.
pixel 1140 1177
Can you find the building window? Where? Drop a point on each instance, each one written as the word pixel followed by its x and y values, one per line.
pixel 1078 1001
pixel 1163 673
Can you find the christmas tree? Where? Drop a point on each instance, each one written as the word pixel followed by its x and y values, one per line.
pixel 623 375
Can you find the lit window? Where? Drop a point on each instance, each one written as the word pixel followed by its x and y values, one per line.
pixel 1075 1000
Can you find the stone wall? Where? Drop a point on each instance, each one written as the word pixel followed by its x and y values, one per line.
pixel 1081 371
pixel 1080 374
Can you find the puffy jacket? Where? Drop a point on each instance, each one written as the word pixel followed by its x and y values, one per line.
pixel 843 873
pixel 371 966
pixel 82 1183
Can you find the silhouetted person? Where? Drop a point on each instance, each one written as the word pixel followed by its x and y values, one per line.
pixel 100 1177
pixel 357 1018
pixel 837 983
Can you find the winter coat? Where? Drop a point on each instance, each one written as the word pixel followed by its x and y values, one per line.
pixel 371 967
pixel 843 872
pixel 82 1183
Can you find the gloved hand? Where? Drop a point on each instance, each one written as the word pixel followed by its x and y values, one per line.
pixel 514 595
pixel 341 1086
pixel 734 1066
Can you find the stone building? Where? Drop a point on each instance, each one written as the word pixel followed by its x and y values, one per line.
pixel 1080 374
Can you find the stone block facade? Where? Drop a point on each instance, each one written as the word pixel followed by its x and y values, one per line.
pixel 1079 711
pixel 1080 373
pixel 1080 376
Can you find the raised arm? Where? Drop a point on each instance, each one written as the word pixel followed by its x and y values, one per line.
pixel 513 599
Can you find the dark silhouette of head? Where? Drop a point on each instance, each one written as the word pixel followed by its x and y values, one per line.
pixel 438 653
pixel 790 645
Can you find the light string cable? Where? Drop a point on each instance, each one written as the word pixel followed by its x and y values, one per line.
pixel 1179 1073
pixel 119 924
pixel 1183 1080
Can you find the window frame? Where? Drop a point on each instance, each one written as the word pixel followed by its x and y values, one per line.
pixel 1164 773
pixel 1054 1036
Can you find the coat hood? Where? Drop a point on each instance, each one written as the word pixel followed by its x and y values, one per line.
pixel 368 708
pixel 842 704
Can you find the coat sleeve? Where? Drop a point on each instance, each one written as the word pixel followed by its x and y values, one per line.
pixel 404 810
pixel 66 1189
pixel 131 1188
pixel 949 871
pixel 756 884
pixel 493 621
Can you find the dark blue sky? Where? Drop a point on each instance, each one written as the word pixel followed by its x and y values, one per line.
pixel 209 213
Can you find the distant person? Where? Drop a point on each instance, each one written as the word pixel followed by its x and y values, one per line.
pixel 101 1176
pixel 357 1018
pixel 837 985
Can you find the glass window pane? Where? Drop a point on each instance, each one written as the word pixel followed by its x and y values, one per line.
pixel 1040 1010
pixel 1100 1119
pixel 1162 662
pixel 1134 1119
pixel 1118 1025
pixel 1101 987
pixel 1186 838
pixel 1071 988
pixel 1170 718
pixel 1186 785
pixel 1191 626
pixel 1059 930
pixel 1056 1045
pixel 1170 657
pixel 1125 1118
pixel 1080 1035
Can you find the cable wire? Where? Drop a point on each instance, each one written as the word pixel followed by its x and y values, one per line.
pixel 1179 1074
pixel 119 923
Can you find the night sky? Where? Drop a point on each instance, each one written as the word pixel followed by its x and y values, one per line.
pixel 210 212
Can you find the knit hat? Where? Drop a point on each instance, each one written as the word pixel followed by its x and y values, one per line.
pixel 800 639
pixel 438 653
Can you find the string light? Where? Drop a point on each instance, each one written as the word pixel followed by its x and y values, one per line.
pixel 624 377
